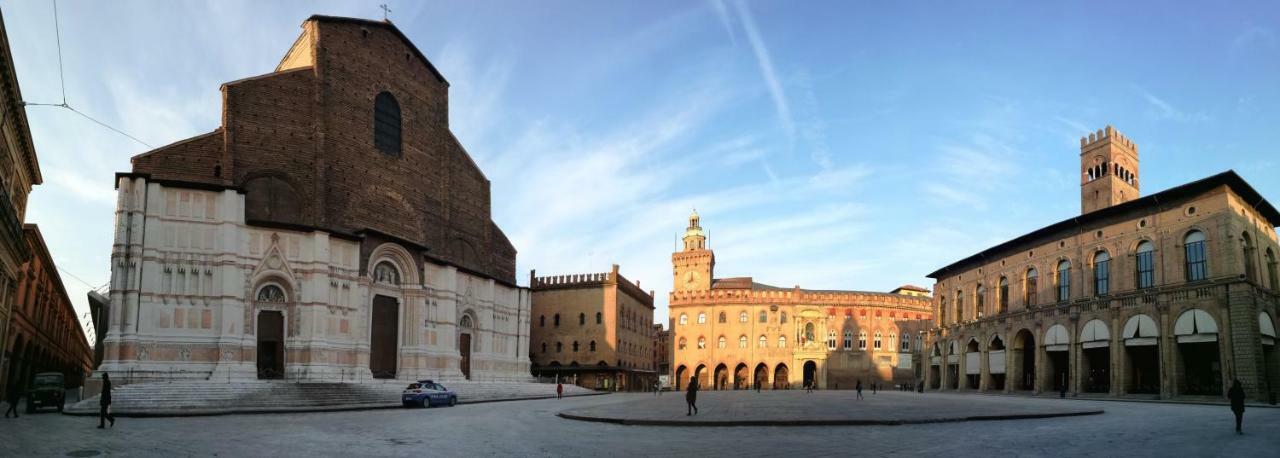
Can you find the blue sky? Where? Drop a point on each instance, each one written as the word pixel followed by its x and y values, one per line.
pixel 844 145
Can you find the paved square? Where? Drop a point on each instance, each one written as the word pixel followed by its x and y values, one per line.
pixel 530 428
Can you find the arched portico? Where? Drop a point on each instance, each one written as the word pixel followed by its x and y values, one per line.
pixel 780 381
pixel 1141 367
pixel 1199 361
pixel 1095 357
pixel 1024 360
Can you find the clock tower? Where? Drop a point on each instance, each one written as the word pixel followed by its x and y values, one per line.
pixel 694 264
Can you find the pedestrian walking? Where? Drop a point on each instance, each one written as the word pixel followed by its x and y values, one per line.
pixel 691 396
pixel 559 390
pixel 858 388
pixel 873 387
pixel 1236 395
pixel 758 383
pixel 104 403
pixel 12 397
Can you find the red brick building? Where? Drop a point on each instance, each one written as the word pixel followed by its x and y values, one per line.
pixel 331 228
pixel 45 332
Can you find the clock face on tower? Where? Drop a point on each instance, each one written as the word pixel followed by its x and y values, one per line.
pixel 690 278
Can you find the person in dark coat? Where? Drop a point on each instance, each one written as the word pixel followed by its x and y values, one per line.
pixel 691 396
pixel 14 394
pixel 1236 395
pixel 104 403
pixel 858 388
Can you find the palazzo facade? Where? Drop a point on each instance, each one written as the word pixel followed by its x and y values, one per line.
pixel 595 330
pixel 734 333
pixel 332 228
pixel 1170 295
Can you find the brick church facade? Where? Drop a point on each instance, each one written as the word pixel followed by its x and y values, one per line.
pixel 332 228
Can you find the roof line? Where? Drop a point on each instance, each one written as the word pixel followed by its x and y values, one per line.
pixel 392 27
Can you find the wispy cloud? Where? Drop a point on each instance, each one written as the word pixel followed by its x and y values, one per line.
pixel 722 13
pixel 1255 36
pixel 1158 108
pixel 767 70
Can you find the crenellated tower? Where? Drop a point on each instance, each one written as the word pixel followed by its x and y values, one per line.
pixel 1108 170
pixel 694 265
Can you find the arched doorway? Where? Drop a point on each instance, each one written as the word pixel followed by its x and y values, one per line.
pixel 740 381
pixel 995 364
pixel 762 376
pixel 1199 363
pixel 465 327
pixel 270 344
pixel 1095 348
pixel 972 364
pixel 780 377
pixel 681 374
pixel 935 366
pixel 953 366
pixel 810 374
pixel 383 336
pixel 1057 347
pixel 1024 360
pixel 1267 329
pixel 722 377
pixel 700 373
pixel 1141 355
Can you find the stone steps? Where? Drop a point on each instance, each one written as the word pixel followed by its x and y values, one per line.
pixel 206 398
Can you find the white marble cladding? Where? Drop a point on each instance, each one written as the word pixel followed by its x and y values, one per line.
pixel 186 274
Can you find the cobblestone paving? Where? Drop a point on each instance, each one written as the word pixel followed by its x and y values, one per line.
pixel 781 407
pixel 530 428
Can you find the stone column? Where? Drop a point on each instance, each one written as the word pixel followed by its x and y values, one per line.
pixel 1168 356
pixel 1116 350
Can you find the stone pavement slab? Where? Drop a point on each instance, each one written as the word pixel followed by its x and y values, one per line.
pixel 798 408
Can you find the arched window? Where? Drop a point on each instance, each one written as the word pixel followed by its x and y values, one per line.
pixel 831 340
pixel 808 333
pixel 575 346
pixel 600 318
pixel 1101 273
pixel 386 124
pixel 542 321
pixel 682 344
pixel 1064 281
pixel 544 347
pixel 959 306
pixel 906 342
pixel 592 346
pixel 862 340
pixel 582 319
pixel 742 317
pixel 942 309
pixel 1273 271
pixel 1029 298
pixel 764 317
pixel 782 341
pixel 1003 300
pixel 979 301
pixel 848 340
pixel 721 343
pixel 271 293
pixel 702 318
pixel 702 343
pixel 556 320
pixel 1145 266
pixel 386 273
pixel 1197 268
pixel 684 319
pixel 782 318
pixel 559 347
pixel 876 343
pixel 892 340
pixel 1246 249
pixel 722 318
pixel 742 341
pixel 763 342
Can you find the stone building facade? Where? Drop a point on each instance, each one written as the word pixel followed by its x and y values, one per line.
pixel 662 353
pixel 1169 295
pixel 595 330
pixel 19 171
pixel 734 333
pixel 45 333
pixel 332 228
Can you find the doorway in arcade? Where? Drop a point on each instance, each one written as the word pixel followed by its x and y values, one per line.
pixel 1057 349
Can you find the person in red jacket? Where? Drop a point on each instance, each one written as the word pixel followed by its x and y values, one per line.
pixel 559 390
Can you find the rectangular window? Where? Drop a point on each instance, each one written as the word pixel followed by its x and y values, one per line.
pixel 1146 270
pixel 1196 270
pixel 1102 277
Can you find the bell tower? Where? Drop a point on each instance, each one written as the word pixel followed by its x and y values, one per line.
pixel 1108 170
pixel 693 265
